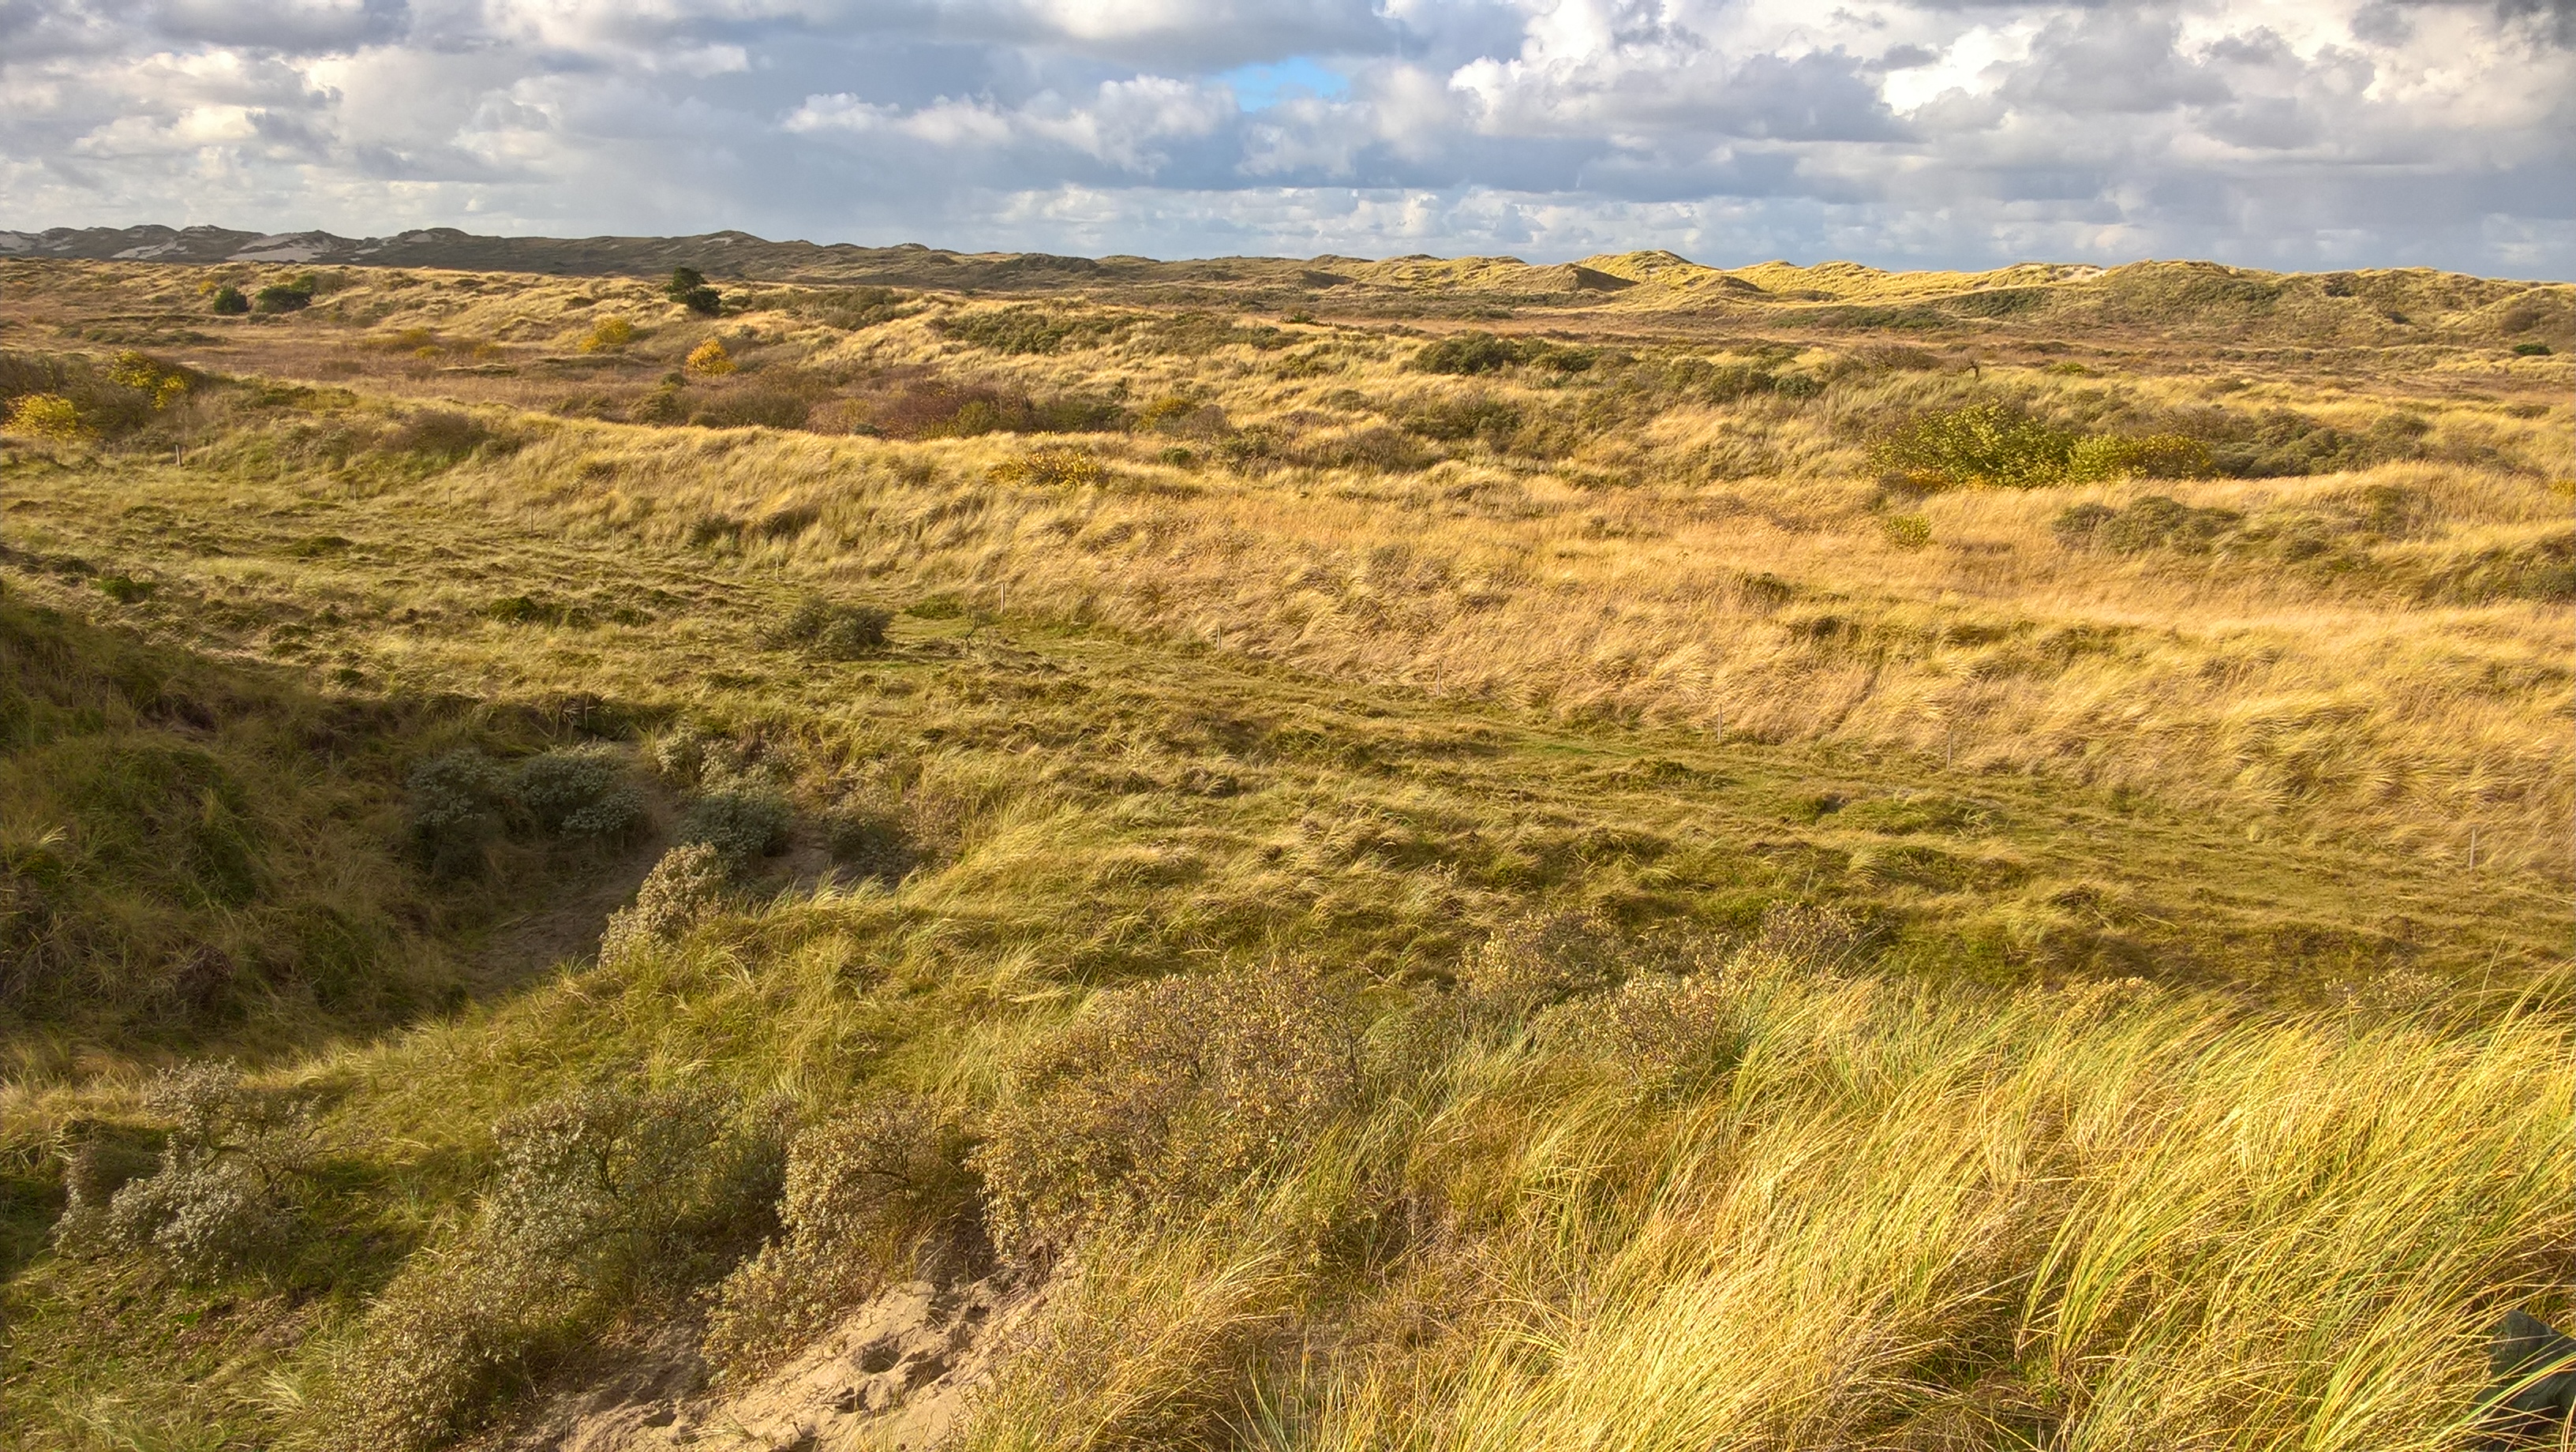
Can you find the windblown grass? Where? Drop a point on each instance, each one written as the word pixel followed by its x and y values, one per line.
pixel 1497 891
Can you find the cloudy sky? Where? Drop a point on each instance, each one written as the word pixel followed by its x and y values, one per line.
pixel 2264 132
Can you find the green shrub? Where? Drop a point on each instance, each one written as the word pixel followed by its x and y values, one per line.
pixel 1470 353
pixel 1989 444
pixel 1021 329
pixel 2152 522
pixel 1164 1099
pixel 1906 531
pixel 224 1197
pixel 580 791
pixel 2284 443
pixel 873 1196
pixel 229 301
pixel 742 825
pixel 459 803
pixel 1453 420
pixel 688 287
pixel 2078 525
pixel 282 297
pixel 439 436
pixel 2156 456
pixel 1993 444
pixel 463 801
pixel 2531 350
pixel 830 629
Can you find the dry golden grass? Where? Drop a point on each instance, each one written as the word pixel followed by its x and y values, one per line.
pixel 1641 776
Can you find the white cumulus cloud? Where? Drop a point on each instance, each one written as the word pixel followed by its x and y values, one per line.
pixel 1905 132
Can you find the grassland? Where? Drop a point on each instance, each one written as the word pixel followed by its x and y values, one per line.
pixel 1433 855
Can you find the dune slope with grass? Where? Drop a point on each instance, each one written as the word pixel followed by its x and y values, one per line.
pixel 1280 855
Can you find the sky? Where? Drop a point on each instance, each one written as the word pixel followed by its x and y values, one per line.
pixel 2272 133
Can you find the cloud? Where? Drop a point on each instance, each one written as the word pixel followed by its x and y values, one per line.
pixel 2287 132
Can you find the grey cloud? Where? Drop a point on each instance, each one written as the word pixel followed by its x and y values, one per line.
pixel 304 27
pixel 2553 19
pixel 2114 61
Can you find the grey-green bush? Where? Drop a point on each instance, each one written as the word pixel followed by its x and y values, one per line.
pixel 225 1196
pixel 740 825
pixel 873 1195
pixel 683 889
pixel 1164 1099
pixel 458 802
pixel 580 791
pixel 832 630
pixel 603 1198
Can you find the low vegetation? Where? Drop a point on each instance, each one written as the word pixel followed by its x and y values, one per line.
pixel 1661 870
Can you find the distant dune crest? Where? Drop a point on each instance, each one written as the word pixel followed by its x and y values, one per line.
pixel 2373 307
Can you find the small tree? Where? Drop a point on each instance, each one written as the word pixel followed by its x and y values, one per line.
pixel 688 287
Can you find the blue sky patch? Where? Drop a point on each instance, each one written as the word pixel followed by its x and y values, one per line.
pixel 1260 87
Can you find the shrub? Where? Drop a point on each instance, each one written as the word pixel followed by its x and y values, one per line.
pixel 1538 959
pixel 281 297
pixel 2078 525
pixel 1906 531
pixel 439 436
pixel 602 1198
pixel 684 889
pixel 222 1199
pixel 875 1195
pixel 2157 456
pixel 771 407
pixel 580 791
pixel 1452 420
pixel 1049 469
pixel 688 287
pixel 831 629
pixel 710 359
pixel 740 825
pixel 1469 353
pixel 47 416
pixel 165 382
pixel 1988 444
pixel 2157 522
pixel 1670 1032
pixel 461 801
pixel 1163 1099
pixel 458 803
pixel 621 1187
pixel 229 301
pixel 1018 330
pixel 608 335
pixel 2531 350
